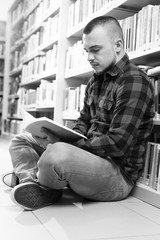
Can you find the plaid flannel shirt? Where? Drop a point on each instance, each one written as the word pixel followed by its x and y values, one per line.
pixel 117 116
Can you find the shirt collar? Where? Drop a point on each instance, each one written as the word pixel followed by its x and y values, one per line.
pixel 117 68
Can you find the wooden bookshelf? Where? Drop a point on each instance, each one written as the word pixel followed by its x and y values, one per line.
pixel 147 194
pixel 24 57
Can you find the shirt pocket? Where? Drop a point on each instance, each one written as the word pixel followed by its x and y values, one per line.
pixel 106 108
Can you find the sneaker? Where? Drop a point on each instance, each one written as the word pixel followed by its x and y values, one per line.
pixel 10 179
pixel 32 196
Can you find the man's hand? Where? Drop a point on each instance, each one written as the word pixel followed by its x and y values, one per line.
pixel 49 138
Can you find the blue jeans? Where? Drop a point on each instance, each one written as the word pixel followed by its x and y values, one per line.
pixel 64 165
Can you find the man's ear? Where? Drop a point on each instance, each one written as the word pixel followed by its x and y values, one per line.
pixel 119 45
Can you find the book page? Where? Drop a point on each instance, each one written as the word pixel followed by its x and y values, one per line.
pixel 34 125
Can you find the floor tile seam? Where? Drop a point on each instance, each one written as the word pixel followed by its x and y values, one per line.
pixel 140 214
pixel 43 225
pixel 122 237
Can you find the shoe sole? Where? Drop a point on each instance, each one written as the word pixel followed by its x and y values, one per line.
pixel 31 196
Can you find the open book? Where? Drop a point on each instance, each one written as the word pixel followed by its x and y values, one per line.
pixel 33 125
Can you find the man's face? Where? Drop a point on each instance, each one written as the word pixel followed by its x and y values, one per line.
pixel 100 49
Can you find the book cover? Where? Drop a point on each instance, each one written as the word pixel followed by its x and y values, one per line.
pixel 34 125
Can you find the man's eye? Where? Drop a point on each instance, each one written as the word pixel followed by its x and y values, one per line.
pixel 95 50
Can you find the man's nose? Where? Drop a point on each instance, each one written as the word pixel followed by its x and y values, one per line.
pixel 90 57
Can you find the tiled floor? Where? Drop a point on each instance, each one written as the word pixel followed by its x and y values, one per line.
pixel 75 219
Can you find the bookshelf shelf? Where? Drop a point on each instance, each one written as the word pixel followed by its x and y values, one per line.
pixel 40 109
pixel 18 22
pixel 137 5
pixel 51 13
pixel 47 45
pixel 15 118
pixel 156 121
pixel 147 194
pixel 79 73
pixel 37 26
pixel 16 71
pixel 148 57
pixel 29 57
pixel 36 78
pixel 70 117
pixel 17 46
pixel 13 96
pixel 111 8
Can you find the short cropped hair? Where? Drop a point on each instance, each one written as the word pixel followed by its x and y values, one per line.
pixel 102 21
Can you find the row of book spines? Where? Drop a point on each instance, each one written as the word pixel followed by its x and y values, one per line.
pixel 138 33
pixel 49 27
pixel 29 9
pixel 42 96
pixel 76 57
pixel 12 127
pixel 46 32
pixel 73 100
pixel 142 30
pixel 33 45
pixel 38 16
pixel 129 28
pixel 151 171
pixel 81 9
pixel 21 58
pixel 41 64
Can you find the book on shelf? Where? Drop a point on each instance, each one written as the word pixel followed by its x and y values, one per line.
pixel 73 101
pixel 155 80
pixel 45 63
pixel 154 71
pixel 76 58
pixel 81 9
pixel 41 97
pixel 144 176
pixel 46 93
pixel 141 31
pixel 33 125
pixel 151 172
pixel 17 12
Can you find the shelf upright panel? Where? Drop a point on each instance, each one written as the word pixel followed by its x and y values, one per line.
pixel 6 73
pixel 61 56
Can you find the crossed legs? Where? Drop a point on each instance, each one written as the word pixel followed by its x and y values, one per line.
pixel 62 165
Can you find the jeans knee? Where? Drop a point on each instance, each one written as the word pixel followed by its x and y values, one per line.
pixel 13 144
pixel 54 156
